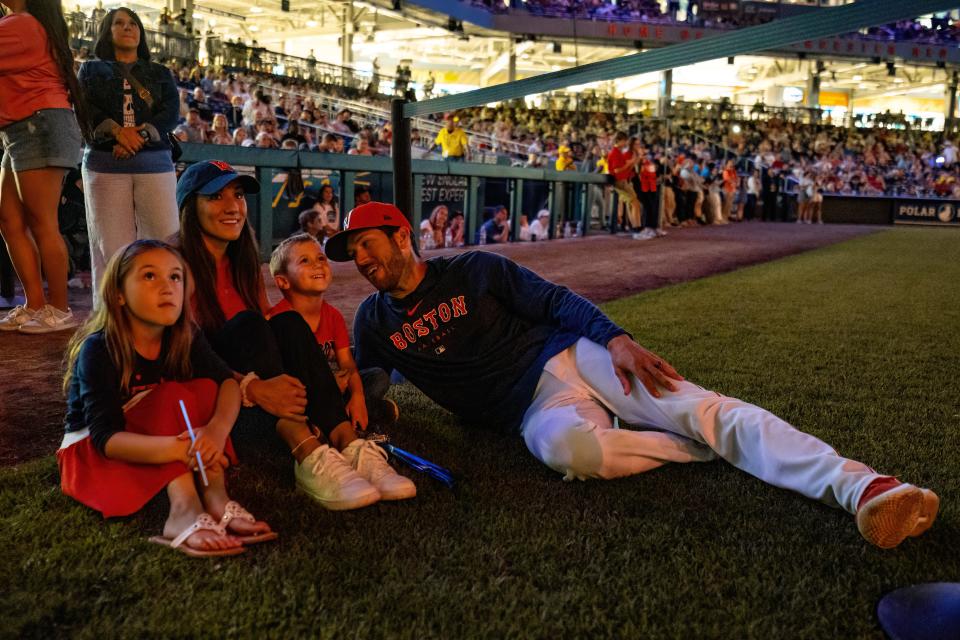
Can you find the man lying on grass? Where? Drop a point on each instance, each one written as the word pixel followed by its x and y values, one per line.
pixel 502 348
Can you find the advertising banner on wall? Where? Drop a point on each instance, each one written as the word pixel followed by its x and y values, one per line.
pixel 938 212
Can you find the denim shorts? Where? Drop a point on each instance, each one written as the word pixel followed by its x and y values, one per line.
pixel 47 138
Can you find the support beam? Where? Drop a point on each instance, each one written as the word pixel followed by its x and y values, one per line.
pixel 950 99
pixel 664 93
pixel 347 27
pixel 818 24
pixel 402 167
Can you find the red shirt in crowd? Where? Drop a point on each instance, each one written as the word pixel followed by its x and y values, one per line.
pixel 620 164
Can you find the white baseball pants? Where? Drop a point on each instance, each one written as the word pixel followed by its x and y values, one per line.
pixel 569 427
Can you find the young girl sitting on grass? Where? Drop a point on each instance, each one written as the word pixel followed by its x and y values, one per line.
pixel 128 368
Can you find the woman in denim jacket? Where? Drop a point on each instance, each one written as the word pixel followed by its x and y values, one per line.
pixel 128 174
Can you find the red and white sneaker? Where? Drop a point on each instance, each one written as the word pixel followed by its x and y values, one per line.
pixel 889 518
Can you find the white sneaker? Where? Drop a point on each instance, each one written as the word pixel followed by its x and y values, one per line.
pixel 646 234
pixel 49 319
pixel 327 478
pixel 370 461
pixel 16 318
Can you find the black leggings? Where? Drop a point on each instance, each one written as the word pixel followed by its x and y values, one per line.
pixel 283 345
pixel 651 210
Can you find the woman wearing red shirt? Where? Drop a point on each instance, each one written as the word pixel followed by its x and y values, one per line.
pixel 40 140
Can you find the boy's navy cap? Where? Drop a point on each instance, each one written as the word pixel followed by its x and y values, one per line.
pixel 209 177
pixel 371 215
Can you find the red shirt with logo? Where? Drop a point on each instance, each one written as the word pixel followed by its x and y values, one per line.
pixel 331 333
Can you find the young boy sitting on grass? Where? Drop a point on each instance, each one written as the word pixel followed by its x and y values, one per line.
pixel 302 273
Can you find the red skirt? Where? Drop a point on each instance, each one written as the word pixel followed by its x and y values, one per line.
pixel 118 488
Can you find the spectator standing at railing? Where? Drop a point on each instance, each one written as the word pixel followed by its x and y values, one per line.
pixel 648 190
pixel 39 141
pixel 620 166
pixel 128 174
pixel 77 23
pixel 96 17
pixel 452 140
pixel 730 182
pixel 754 189
pixel 428 86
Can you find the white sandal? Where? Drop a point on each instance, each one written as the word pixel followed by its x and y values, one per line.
pixel 204 522
pixel 234 510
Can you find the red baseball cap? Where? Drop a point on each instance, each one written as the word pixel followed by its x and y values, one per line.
pixel 372 215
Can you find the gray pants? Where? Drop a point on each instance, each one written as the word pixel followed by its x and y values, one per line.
pixel 123 207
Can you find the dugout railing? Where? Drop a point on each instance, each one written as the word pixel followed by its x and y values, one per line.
pixel 568 195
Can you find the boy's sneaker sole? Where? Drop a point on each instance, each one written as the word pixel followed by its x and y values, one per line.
pixel 357 502
pixel 894 515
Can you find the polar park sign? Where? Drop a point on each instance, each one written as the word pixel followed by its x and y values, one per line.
pixel 938 212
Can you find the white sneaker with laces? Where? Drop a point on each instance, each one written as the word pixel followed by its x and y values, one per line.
pixel 370 461
pixel 49 319
pixel 326 477
pixel 16 318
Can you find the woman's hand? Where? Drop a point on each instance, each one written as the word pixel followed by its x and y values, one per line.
pixel 128 140
pixel 282 396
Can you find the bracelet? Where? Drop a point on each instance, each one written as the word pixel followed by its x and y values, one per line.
pixel 247 379
pixel 300 444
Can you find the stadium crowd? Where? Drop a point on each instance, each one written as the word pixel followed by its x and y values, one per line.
pixel 267 112
pixel 942 28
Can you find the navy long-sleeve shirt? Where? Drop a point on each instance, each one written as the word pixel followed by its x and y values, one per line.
pixel 475 334
pixel 94 398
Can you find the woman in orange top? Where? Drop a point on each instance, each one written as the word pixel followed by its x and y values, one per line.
pixel 40 140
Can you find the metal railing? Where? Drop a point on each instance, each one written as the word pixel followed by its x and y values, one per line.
pixel 566 194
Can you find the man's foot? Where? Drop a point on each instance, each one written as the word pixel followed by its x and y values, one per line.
pixel 888 518
pixel 646 234
pixel 370 461
pixel 326 477
pixel 49 319
pixel 16 318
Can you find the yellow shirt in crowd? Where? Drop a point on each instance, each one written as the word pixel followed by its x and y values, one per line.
pixel 454 143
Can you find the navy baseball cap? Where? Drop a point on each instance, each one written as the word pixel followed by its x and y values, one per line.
pixel 209 177
pixel 372 215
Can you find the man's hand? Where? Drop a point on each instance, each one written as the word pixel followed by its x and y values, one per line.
pixel 652 370
pixel 282 396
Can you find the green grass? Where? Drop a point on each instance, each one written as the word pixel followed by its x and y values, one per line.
pixel 856 343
